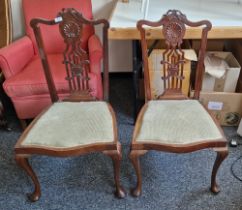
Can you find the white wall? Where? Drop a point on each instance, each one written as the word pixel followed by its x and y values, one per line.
pixel 120 55
pixel 17 16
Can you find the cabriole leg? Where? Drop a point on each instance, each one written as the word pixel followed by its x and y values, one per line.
pixel 23 162
pixel 134 157
pixel 222 153
pixel 116 156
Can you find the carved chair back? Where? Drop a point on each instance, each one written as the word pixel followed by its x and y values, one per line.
pixel 174 25
pixel 75 57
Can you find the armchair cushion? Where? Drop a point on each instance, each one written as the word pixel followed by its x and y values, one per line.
pixel 95 50
pixel 31 80
pixel 177 122
pixel 14 57
pixel 68 124
pixel 95 53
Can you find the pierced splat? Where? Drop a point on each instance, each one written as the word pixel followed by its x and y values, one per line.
pixel 173 58
pixel 75 57
pixel 173 65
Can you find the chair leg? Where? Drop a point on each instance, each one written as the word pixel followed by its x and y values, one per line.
pixel 221 155
pixel 23 124
pixel 24 163
pixel 116 156
pixel 134 157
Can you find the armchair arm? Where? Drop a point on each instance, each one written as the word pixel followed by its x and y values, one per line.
pixel 95 54
pixel 15 56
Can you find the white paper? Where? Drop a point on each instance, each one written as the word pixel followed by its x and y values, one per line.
pixel 214 105
pixel 215 66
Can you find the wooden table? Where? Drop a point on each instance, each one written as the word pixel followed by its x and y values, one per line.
pixel 225 15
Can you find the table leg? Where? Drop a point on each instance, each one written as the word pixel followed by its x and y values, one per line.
pixel 137 71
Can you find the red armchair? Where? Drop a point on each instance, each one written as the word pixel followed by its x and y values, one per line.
pixel 25 83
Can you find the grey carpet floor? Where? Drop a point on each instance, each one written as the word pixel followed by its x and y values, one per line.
pixel 170 181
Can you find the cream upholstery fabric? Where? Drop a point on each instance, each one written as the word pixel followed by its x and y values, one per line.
pixel 68 124
pixel 177 122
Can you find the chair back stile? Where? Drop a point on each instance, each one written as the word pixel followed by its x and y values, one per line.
pixel 174 29
pixel 75 58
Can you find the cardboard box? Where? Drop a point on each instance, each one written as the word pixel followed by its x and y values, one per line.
pixel 235 46
pixel 229 81
pixel 156 71
pixel 225 107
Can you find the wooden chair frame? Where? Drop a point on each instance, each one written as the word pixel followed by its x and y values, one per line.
pixel 113 149
pixel 174 26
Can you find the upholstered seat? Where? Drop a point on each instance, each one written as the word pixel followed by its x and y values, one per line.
pixel 177 122
pixel 68 124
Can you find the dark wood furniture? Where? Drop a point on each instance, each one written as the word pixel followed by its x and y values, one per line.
pixel 5 39
pixel 173 122
pixel 6 23
pixel 78 124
